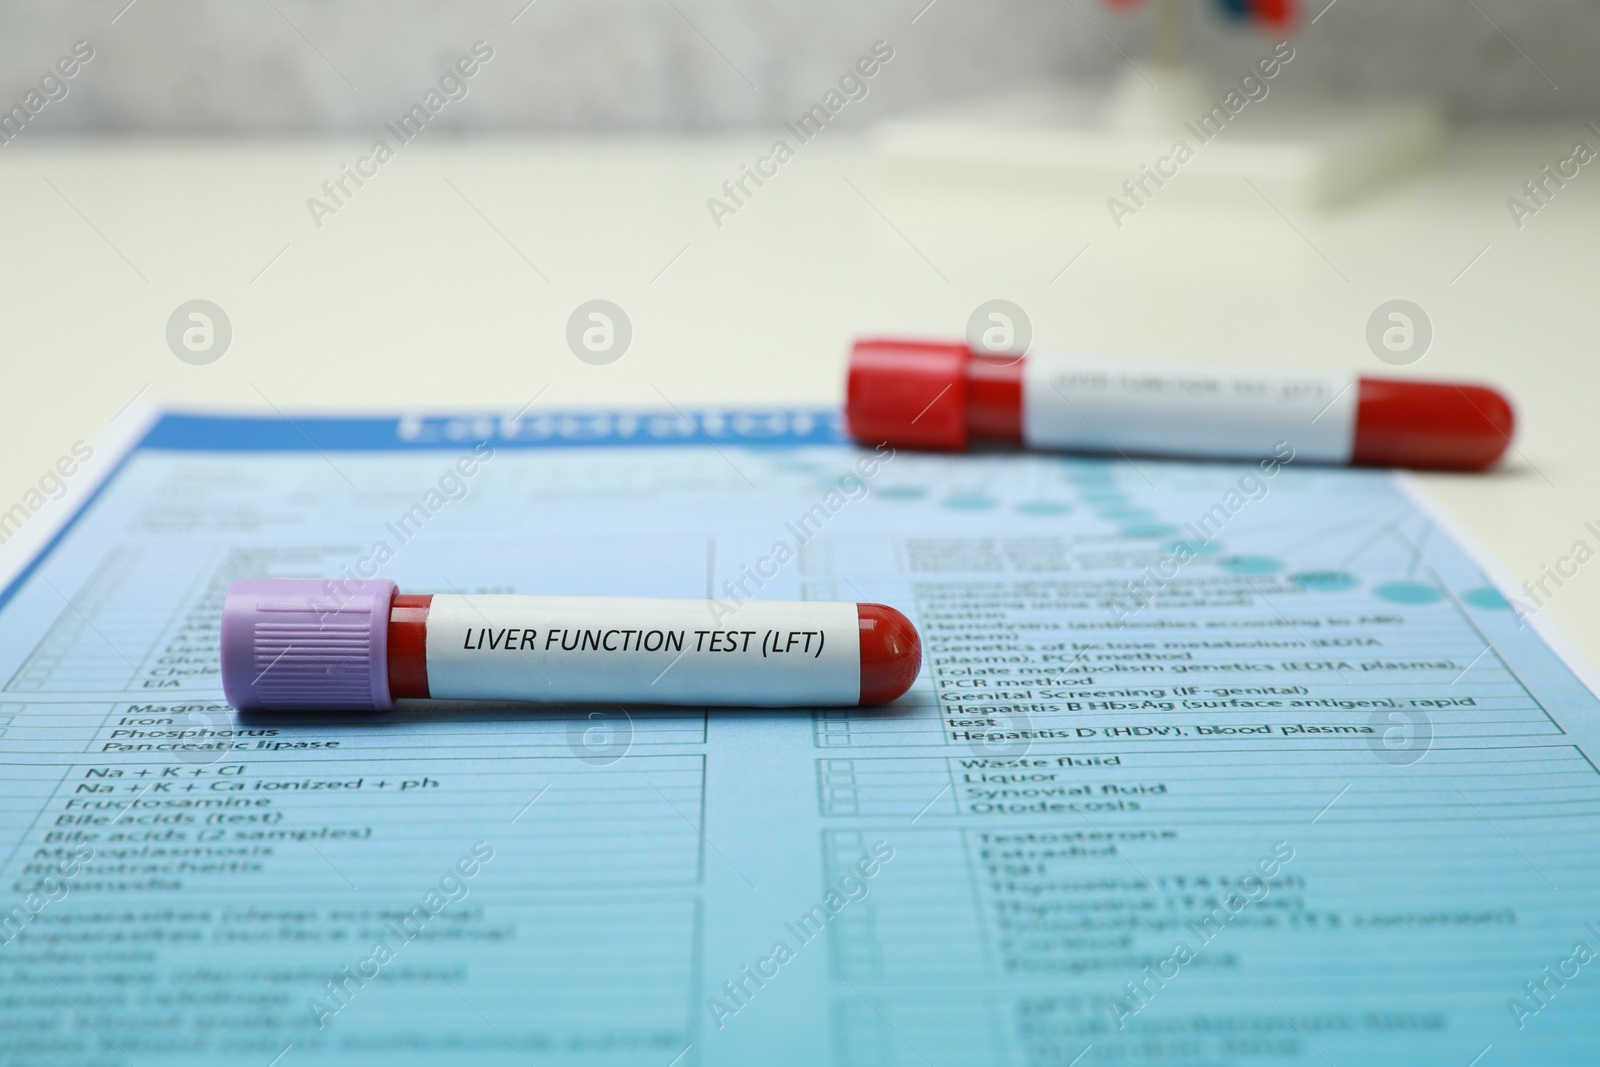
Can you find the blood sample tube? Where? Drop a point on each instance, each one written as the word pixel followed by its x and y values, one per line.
pixel 933 395
pixel 337 644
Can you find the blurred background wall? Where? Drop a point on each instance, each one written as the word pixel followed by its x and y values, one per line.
pixel 279 66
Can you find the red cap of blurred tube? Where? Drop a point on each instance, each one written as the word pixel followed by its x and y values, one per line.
pixel 943 396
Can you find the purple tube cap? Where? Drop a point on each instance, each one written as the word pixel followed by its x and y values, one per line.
pixel 307 644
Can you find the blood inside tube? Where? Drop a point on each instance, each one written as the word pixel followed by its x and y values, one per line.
pixel 408 645
pixel 1434 425
pixel 994 398
pixel 891 653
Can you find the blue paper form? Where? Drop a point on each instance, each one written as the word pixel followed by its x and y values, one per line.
pixel 1208 764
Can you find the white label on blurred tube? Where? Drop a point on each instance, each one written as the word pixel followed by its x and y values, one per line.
pixel 619 650
pixel 1097 404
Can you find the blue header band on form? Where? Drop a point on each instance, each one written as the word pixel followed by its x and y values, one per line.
pixel 544 429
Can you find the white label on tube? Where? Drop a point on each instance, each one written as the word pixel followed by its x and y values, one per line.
pixel 636 651
pixel 1098 404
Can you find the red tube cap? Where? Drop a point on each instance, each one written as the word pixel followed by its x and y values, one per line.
pixel 912 394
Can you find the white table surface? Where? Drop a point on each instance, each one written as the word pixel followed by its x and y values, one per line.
pixel 425 289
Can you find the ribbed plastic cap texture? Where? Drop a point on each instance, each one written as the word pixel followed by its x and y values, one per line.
pixel 912 394
pixel 307 644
